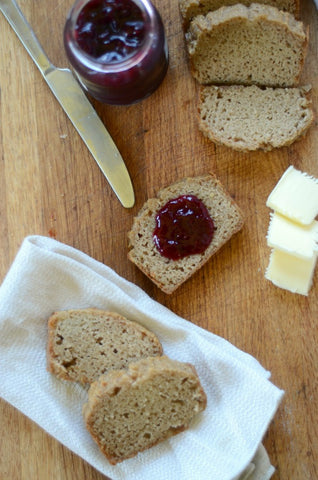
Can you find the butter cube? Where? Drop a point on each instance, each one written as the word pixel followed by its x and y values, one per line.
pixel 292 238
pixel 295 196
pixel 291 273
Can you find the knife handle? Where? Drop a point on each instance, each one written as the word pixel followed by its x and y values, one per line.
pixel 25 33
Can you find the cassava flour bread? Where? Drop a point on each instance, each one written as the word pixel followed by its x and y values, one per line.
pixel 84 344
pixel 168 274
pixel 258 45
pixel 252 118
pixel 191 8
pixel 131 410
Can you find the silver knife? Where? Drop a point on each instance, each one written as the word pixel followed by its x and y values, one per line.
pixel 77 107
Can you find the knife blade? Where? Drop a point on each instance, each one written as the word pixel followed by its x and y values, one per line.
pixel 76 105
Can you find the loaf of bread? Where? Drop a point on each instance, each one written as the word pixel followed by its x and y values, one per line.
pixel 191 8
pixel 169 274
pixel 252 118
pixel 247 45
pixel 84 344
pixel 131 410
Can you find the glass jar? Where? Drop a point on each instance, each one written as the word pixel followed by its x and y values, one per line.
pixel 117 48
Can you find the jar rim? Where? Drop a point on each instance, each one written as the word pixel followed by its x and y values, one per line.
pixel 128 62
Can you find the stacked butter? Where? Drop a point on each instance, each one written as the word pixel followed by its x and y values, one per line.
pixel 293 231
pixel 248 59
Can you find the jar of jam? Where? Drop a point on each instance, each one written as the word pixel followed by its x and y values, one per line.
pixel 117 48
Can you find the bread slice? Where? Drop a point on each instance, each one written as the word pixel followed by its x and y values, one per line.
pixel 191 8
pixel 252 118
pixel 84 344
pixel 129 411
pixel 247 45
pixel 170 274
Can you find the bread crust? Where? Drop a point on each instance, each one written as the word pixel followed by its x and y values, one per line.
pixel 167 274
pixel 192 8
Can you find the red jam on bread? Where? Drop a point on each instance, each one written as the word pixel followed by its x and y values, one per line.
pixel 183 227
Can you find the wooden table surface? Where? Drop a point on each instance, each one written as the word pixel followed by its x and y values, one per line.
pixel 50 185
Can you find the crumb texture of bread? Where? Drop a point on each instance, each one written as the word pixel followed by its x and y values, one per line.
pixel 252 118
pixel 255 45
pixel 129 411
pixel 170 274
pixel 191 8
pixel 84 344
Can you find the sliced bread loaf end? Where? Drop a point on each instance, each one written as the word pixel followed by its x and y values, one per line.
pixel 129 411
pixel 84 344
pixel 247 45
pixel 253 118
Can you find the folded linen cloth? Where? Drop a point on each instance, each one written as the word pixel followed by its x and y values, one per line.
pixel 223 443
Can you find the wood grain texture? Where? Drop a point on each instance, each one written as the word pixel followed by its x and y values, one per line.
pixel 50 185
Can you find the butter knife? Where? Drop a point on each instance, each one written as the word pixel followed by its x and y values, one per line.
pixel 77 107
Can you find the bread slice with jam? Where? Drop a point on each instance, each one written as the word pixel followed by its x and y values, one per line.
pixel 167 273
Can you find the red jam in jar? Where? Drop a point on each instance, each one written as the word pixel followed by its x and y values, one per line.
pixel 117 48
pixel 183 227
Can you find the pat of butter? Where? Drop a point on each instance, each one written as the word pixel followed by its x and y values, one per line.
pixel 291 273
pixel 292 238
pixel 295 196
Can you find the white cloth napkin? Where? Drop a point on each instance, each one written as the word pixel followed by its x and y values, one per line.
pixel 222 441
